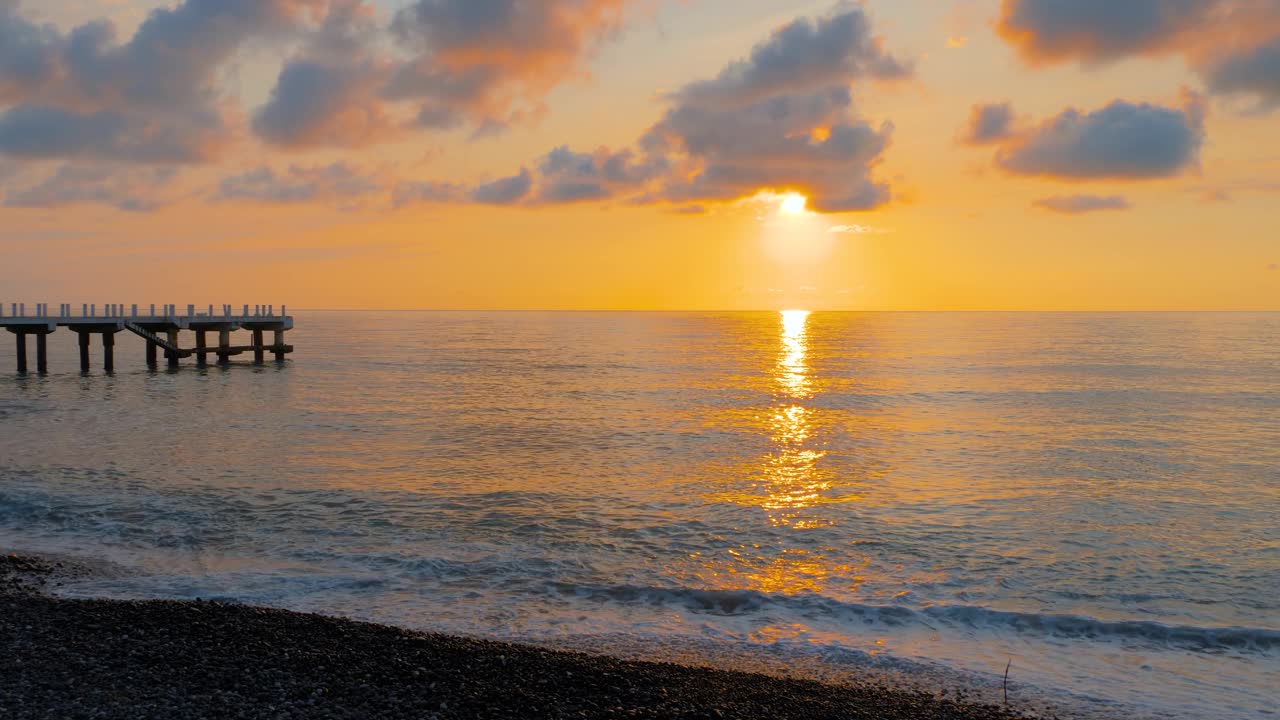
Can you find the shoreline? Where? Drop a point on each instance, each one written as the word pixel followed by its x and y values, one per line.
pixel 198 659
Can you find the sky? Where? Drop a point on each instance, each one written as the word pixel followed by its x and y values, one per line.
pixel 642 154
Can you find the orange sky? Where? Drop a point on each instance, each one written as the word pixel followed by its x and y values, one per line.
pixel 220 174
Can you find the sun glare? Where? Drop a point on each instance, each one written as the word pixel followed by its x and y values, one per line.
pixel 794 204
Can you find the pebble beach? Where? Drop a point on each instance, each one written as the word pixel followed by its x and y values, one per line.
pixel 74 658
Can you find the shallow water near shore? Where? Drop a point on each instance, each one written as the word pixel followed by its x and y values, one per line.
pixel 1093 496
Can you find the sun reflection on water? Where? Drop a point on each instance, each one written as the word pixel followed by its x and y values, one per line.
pixel 793 370
pixel 791 477
pixel 790 485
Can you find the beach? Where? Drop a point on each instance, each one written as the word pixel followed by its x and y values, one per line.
pixel 73 658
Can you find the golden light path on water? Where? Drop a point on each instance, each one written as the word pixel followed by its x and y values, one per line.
pixel 791 482
pixel 790 471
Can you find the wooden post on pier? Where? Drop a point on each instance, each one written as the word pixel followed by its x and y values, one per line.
pixel 258 350
pixel 279 346
pixel 224 343
pixel 201 343
pixel 151 354
pixel 84 351
pixel 22 352
pixel 109 351
pixel 42 353
pixel 169 354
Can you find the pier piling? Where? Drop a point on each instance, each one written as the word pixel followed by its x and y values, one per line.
pixel 202 360
pixel 170 355
pixel 42 353
pixel 109 351
pixel 84 350
pixel 22 352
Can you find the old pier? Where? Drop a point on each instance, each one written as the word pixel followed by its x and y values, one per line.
pixel 161 330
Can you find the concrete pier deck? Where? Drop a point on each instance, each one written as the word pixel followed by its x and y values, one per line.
pixel 160 326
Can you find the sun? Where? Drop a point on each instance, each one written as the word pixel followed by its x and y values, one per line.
pixel 794 204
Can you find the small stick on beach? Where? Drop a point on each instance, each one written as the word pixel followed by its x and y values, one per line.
pixel 1006 681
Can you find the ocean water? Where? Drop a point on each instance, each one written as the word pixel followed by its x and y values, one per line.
pixel 1094 498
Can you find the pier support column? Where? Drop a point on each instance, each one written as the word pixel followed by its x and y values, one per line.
pixel 224 342
pixel 279 343
pixel 42 353
pixel 201 343
pixel 22 352
pixel 172 356
pixel 258 350
pixel 84 351
pixel 151 354
pixel 109 351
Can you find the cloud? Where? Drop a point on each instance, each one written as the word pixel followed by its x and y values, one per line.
pixel 989 124
pixel 506 191
pixel 411 193
pixel 338 182
pixel 855 230
pixel 28 54
pixel 317 104
pixel 83 94
pixel 1080 204
pixel 493 62
pixel 779 120
pixel 131 190
pixel 1232 44
pixel 567 176
pixel 1097 30
pixel 1254 71
pixel 328 93
pixel 1122 141
pixel 38 132
pixel 802 56
pixel 452 63
pixel 782 119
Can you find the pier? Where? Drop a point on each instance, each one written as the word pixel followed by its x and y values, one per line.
pixel 161 330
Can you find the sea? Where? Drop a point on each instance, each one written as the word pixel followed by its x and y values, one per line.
pixel 1081 510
